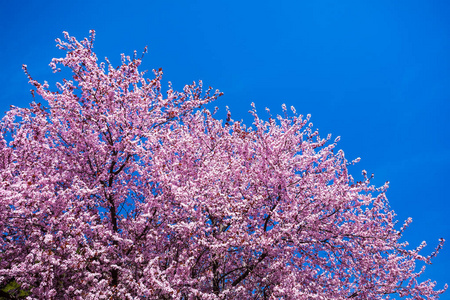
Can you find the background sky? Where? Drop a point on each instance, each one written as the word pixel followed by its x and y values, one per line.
pixel 376 73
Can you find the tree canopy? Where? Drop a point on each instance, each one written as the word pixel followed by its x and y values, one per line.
pixel 114 189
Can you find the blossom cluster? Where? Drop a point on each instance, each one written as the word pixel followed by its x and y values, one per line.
pixel 113 189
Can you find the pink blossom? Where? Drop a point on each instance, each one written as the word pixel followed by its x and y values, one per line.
pixel 114 189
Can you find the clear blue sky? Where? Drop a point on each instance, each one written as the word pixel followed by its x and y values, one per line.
pixel 376 73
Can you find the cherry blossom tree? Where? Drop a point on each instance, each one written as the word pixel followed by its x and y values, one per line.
pixel 112 189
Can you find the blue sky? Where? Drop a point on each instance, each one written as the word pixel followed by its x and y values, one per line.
pixel 376 73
